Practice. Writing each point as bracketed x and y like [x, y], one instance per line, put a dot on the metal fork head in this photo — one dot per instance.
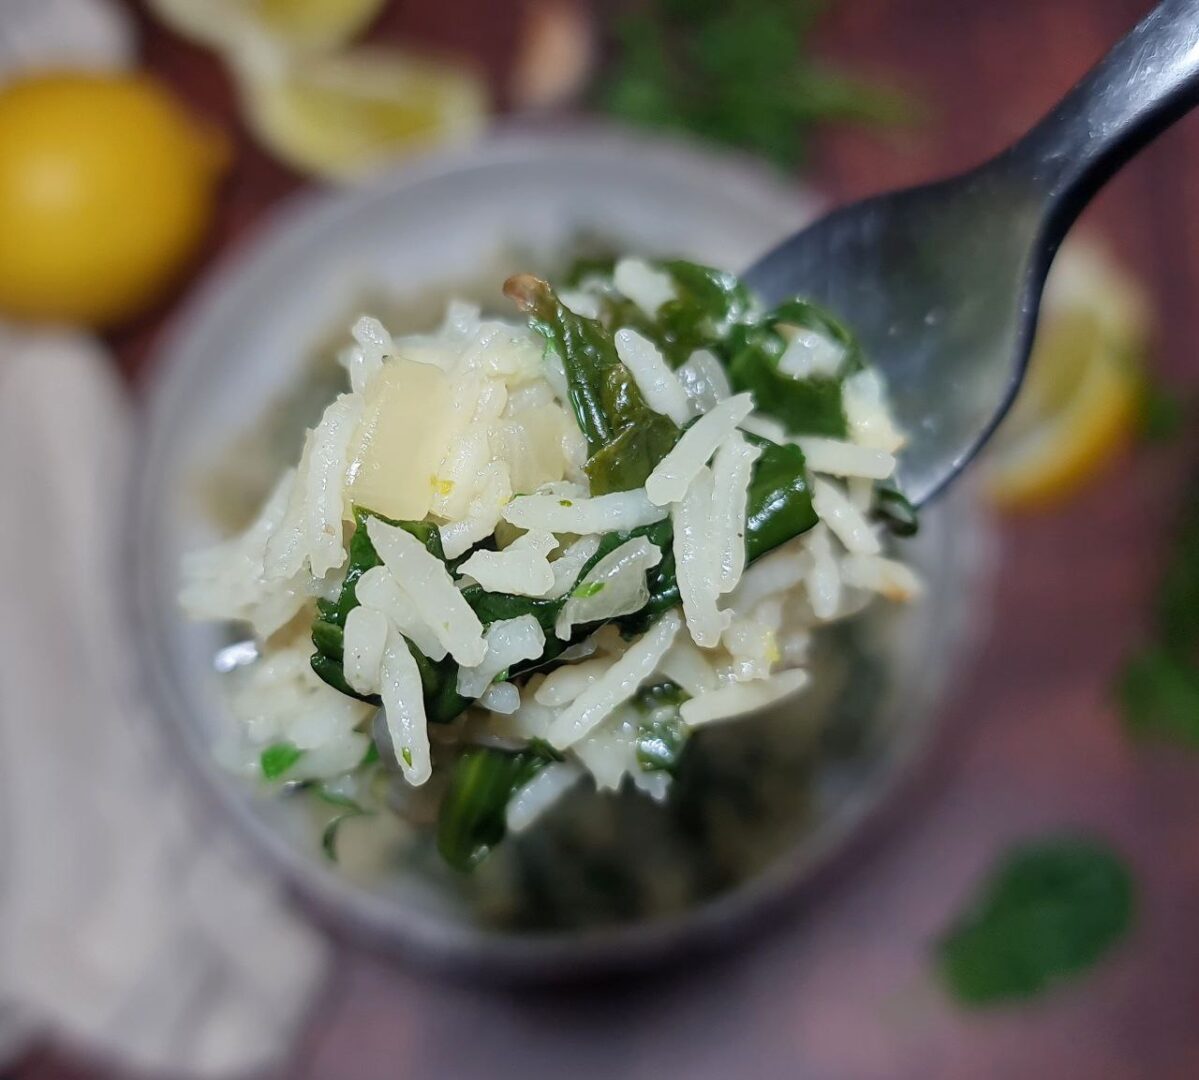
[941, 284]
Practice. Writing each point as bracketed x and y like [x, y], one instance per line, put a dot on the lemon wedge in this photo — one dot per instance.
[1079, 402]
[298, 25]
[343, 115]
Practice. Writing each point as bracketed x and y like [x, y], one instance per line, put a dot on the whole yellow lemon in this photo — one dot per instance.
[106, 188]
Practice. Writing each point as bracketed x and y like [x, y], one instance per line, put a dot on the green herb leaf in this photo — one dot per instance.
[278, 758]
[588, 590]
[780, 498]
[1051, 909]
[1159, 697]
[625, 436]
[893, 509]
[1161, 412]
[472, 816]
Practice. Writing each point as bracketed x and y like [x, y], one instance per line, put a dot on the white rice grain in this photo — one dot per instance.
[809, 354]
[845, 520]
[614, 512]
[658, 384]
[695, 565]
[822, 576]
[562, 685]
[614, 586]
[404, 710]
[502, 698]
[732, 470]
[687, 666]
[648, 288]
[365, 640]
[704, 381]
[887, 577]
[548, 785]
[325, 483]
[617, 684]
[870, 423]
[522, 568]
[426, 580]
[508, 642]
[836, 457]
[567, 566]
[672, 475]
[736, 699]
[580, 302]
[378, 589]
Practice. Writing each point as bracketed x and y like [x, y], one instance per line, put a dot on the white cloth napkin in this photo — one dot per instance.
[130, 925]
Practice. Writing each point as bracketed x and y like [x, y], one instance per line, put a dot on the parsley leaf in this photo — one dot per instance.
[1048, 911]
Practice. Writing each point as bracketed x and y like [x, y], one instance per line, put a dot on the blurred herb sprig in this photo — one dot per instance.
[741, 72]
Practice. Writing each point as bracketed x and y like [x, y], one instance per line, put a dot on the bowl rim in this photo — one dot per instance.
[340, 905]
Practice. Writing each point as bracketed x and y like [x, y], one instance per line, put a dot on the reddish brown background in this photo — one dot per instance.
[841, 990]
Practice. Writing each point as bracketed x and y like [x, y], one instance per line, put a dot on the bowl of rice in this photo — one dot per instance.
[534, 601]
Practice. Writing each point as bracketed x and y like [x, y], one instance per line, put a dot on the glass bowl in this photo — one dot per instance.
[225, 414]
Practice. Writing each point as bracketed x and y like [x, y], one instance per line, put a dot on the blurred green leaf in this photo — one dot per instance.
[1159, 697]
[1048, 911]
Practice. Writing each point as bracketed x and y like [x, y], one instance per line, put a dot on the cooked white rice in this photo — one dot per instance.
[491, 453]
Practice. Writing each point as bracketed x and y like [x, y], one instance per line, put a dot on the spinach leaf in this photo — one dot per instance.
[278, 758]
[1158, 694]
[625, 437]
[661, 733]
[472, 820]
[1049, 910]
[780, 498]
[892, 508]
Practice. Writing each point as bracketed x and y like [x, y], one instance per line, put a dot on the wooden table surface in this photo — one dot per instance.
[841, 991]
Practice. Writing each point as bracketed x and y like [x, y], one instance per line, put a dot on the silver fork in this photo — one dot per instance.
[943, 282]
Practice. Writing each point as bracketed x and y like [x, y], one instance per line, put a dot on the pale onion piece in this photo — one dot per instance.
[584, 304]
[732, 470]
[226, 581]
[614, 586]
[404, 709]
[672, 475]
[522, 568]
[426, 580]
[365, 640]
[614, 512]
[508, 642]
[648, 288]
[704, 381]
[836, 457]
[847, 523]
[562, 685]
[809, 354]
[866, 412]
[378, 589]
[739, 698]
[886, 577]
[401, 440]
[822, 576]
[658, 384]
[355, 363]
[502, 698]
[534, 444]
[567, 566]
[325, 501]
[617, 684]
[548, 785]
[686, 665]
[695, 566]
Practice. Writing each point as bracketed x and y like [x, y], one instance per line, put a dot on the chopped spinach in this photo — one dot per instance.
[472, 819]
[1048, 911]
[625, 437]
[661, 733]
[895, 511]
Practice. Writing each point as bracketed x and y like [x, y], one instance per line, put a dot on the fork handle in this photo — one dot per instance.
[1149, 80]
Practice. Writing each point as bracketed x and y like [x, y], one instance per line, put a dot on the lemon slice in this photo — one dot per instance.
[1079, 402]
[298, 25]
[342, 116]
